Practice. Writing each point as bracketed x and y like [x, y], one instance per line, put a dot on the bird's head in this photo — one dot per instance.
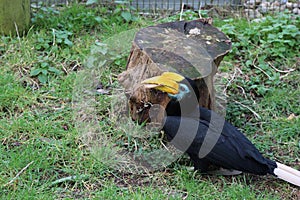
[183, 91]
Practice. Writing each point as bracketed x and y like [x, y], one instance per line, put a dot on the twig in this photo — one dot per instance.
[135, 145]
[75, 66]
[260, 69]
[69, 178]
[53, 32]
[161, 142]
[110, 79]
[64, 69]
[280, 77]
[281, 71]
[18, 174]
[181, 12]
[35, 84]
[243, 91]
[17, 31]
[239, 70]
[255, 113]
[231, 80]
[199, 11]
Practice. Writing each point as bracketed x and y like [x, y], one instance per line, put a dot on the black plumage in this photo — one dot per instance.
[232, 149]
[187, 103]
[209, 139]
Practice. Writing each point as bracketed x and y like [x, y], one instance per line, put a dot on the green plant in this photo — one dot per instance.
[275, 36]
[38, 129]
[61, 37]
[76, 18]
[186, 15]
[41, 17]
[4, 41]
[121, 11]
[43, 43]
[43, 69]
[261, 46]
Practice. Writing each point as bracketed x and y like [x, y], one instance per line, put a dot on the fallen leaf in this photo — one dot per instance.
[291, 117]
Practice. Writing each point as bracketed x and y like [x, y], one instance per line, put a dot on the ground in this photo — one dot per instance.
[43, 151]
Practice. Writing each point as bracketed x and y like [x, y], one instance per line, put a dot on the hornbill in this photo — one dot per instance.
[207, 137]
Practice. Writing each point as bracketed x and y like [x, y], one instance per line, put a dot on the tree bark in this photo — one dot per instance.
[14, 16]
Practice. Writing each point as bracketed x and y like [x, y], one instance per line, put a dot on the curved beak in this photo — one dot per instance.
[166, 82]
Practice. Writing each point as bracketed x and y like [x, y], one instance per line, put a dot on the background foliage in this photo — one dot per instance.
[261, 75]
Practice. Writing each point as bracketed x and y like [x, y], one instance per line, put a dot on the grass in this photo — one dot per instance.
[42, 138]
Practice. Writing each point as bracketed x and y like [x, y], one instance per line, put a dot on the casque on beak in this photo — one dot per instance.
[167, 82]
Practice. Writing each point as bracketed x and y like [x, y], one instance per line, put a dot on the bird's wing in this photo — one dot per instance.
[232, 150]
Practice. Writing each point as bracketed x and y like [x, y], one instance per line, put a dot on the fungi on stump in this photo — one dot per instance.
[191, 48]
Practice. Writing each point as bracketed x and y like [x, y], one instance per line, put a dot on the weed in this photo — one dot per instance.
[38, 127]
[121, 11]
[43, 69]
[262, 51]
[76, 19]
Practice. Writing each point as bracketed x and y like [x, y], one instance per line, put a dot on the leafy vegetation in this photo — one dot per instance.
[266, 54]
[42, 152]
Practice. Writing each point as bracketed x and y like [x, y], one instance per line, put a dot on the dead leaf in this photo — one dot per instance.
[292, 116]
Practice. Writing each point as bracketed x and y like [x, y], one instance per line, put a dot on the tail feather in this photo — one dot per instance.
[287, 173]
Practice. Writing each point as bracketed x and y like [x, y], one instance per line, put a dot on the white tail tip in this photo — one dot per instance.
[287, 173]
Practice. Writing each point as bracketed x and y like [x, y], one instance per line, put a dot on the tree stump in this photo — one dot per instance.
[191, 48]
[14, 16]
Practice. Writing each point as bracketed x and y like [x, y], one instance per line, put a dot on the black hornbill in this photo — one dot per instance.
[206, 136]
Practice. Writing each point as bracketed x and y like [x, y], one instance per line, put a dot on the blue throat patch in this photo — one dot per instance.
[183, 90]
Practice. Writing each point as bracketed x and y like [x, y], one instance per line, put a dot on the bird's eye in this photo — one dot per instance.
[182, 88]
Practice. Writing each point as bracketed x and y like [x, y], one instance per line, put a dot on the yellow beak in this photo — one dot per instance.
[166, 82]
